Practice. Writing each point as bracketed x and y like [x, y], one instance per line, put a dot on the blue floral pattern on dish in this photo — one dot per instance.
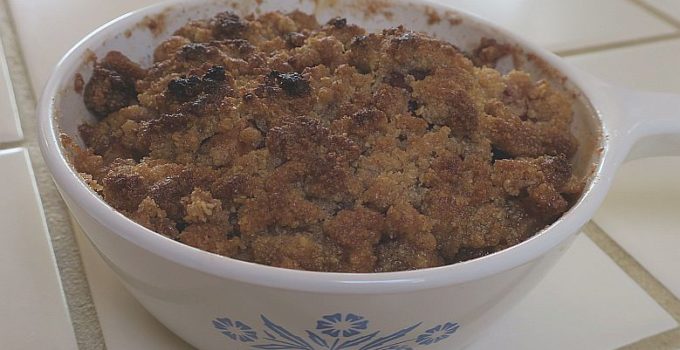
[235, 330]
[334, 324]
[333, 332]
[437, 333]
[400, 347]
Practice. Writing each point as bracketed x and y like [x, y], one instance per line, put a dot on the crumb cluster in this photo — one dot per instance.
[280, 141]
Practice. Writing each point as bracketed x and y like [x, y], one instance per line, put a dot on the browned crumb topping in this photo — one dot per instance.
[284, 142]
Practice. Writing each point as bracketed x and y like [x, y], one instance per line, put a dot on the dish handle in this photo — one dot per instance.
[650, 122]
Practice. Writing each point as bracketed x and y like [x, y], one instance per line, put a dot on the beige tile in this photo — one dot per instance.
[650, 66]
[10, 128]
[561, 25]
[670, 7]
[124, 322]
[33, 312]
[641, 210]
[586, 302]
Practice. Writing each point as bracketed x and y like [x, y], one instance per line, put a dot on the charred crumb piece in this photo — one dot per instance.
[196, 52]
[168, 193]
[498, 154]
[228, 25]
[184, 89]
[112, 85]
[181, 225]
[248, 97]
[295, 39]
[419, 74]
[338, 22]
[108, 91]
[215, 74]
[398, 80]
[293, 84]
[413, 106]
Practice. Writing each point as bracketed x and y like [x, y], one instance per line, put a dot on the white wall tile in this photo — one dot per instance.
[10, 128]
[33, 312]
[670, 7]
[650, 66]
[586, 302]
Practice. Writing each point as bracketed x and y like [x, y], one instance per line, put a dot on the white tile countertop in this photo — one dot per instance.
[618, 285]
[34, 314]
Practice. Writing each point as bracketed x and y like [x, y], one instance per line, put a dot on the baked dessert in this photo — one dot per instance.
[280, 141]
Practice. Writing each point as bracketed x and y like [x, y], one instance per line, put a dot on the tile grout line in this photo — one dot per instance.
[74, 283]
[10, 145]
[660, 15]
[664, 297]
[10, 98]
[618, 44]
[655, 289]
[667, 340]
[657, 13]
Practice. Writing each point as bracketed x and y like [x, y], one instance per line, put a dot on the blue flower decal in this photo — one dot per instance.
[235, 330]
[334, 324]
[435, 334]
[333, 332]
[399, 347]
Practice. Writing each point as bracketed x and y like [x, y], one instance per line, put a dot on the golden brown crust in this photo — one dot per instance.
[281, 141]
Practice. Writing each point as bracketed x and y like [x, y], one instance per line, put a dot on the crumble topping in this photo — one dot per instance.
[282, 141]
